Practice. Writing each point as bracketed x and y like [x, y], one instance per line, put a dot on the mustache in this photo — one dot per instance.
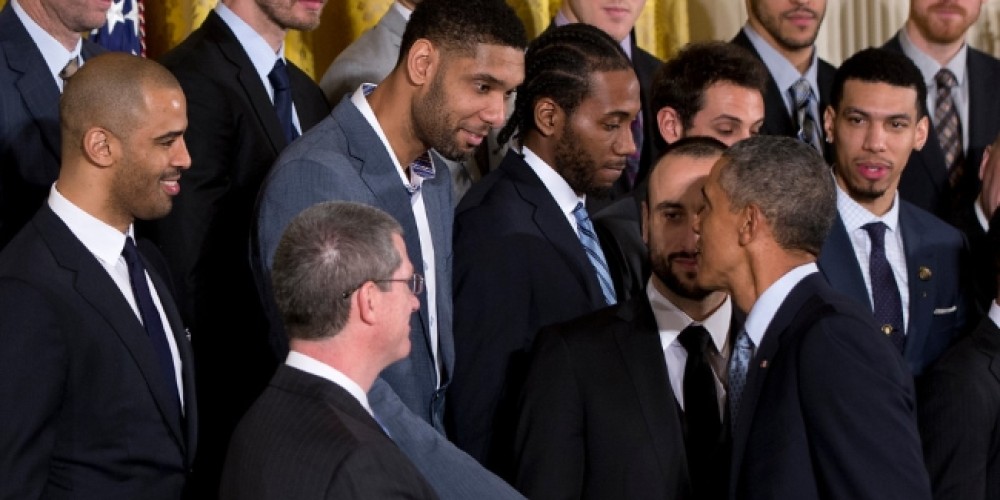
[801, 10]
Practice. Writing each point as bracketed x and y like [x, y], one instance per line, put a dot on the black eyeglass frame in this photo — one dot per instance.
[415, 283]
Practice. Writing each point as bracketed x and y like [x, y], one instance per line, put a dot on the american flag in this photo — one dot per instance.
[125, 29]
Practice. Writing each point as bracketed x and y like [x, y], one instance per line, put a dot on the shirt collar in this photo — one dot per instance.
[626, 44]
[257, 49]
[55, 55]
[417, 176]
[320, 369]
[762, 313]
[782, 71]
[855, 216]
[560, 190]
[405, 12]
[928, 66]
[102, 240]
[670, 320]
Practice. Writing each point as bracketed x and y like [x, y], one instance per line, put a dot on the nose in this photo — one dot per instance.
[414, 303]
[875, 138]
[495, 112]
[625, 145]
[182, 159]
[696, 226]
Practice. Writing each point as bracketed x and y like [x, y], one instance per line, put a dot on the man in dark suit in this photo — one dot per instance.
[613, 399]
[525, 251]
[618, 21]
[38, 39]
[96, 375]
[941, 177]
[226, 68]
[460, 61]
[974, 221]
[821, 404]
[782, 34]
[902, 263]
[346, 289]
[959, 406]
[712, 89]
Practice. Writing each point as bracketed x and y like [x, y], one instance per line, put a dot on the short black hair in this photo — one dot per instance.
[558, 65]
[695, 146]
[873, 65]
[461, 25]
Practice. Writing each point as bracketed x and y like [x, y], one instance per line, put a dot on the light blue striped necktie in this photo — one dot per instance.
[585, 231]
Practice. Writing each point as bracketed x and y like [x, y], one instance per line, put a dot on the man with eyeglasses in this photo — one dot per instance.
[312, 432]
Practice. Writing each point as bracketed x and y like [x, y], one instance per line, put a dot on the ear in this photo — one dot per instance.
[923, 126]
[421, 62]
[367, 300]
[645, 222]
[986, 159]
[829, 116]
[752, 224]
[669, 124]
[98, 144]
[549, 116]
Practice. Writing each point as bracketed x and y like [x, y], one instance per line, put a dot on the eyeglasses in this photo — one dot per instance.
[415, 283]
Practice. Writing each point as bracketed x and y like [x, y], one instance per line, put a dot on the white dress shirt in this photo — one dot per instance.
[55, 55]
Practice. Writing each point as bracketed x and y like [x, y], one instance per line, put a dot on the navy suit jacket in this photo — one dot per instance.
[30, 141]
[86, 410]
[307, 437]
[828, 408]
[925, 179]
[939, 306]
[518, 266]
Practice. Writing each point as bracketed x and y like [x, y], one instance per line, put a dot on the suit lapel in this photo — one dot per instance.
[840, 266]
[984, 107]
[99, 290]
[922, 292]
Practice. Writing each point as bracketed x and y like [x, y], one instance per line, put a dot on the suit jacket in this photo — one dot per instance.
[939, 306]
[925, 178]
[777, 119]
[518, 266]
[598, 416]
[87, 411]
[366, 60]
[959, 408]
[308, 438]
[30, 141]
[619, 228]
[983, 283]
[828, 408]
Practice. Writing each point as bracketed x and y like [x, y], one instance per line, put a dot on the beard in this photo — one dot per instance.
[687, 287]
[772, 25]
[577, 167]
[430, 118]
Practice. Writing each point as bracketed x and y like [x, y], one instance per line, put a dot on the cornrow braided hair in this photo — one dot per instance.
[558, 65]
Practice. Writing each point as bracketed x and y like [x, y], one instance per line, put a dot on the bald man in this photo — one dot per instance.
[93, 355]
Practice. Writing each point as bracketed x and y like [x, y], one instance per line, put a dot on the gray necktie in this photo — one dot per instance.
[802, 96]
[739, 364]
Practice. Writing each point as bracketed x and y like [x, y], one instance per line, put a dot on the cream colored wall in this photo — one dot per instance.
[849, 26]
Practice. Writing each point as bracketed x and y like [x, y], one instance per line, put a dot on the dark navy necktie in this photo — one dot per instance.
[150, 316]
[887, 306]
[283, 98]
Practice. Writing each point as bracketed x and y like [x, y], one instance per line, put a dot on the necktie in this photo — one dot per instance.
[283, 98]
[888, 308]
[69, 69]
[701, 406]
[802, 96]
[593, 249]
[150, 316]
[947, 125]
[739, 364]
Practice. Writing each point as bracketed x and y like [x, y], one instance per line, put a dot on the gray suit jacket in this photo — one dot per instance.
[368, 59]
[29, 124]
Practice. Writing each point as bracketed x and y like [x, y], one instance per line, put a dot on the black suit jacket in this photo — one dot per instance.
[86, 411]
[308, 438]
[234, 137]
[777, 119]
[598, 416]
[828, 408]
[518, 266]
[925, 180]
[959, 407]
[30, 141]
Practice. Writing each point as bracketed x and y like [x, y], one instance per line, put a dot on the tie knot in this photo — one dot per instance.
[130, 252]
[801, 92]
[279, 75]
[876, 231]
[580, 212]
[945, 79]
[695, 339]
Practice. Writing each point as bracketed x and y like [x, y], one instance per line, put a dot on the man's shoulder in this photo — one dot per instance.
[930, 226]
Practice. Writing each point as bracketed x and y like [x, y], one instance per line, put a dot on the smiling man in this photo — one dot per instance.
[903, 263]
[525, 250]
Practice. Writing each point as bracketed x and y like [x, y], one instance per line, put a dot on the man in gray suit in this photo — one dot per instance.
[461, 60]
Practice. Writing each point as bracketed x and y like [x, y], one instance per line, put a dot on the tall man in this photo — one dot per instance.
[964, 111]
[821, 405]
[96, 375]
[599, 416]
[901, 262]
[782, 33]
[525, 250]
[459, 61]
[712, 89]
[247, 102]
[40, 44]
[346, 289]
